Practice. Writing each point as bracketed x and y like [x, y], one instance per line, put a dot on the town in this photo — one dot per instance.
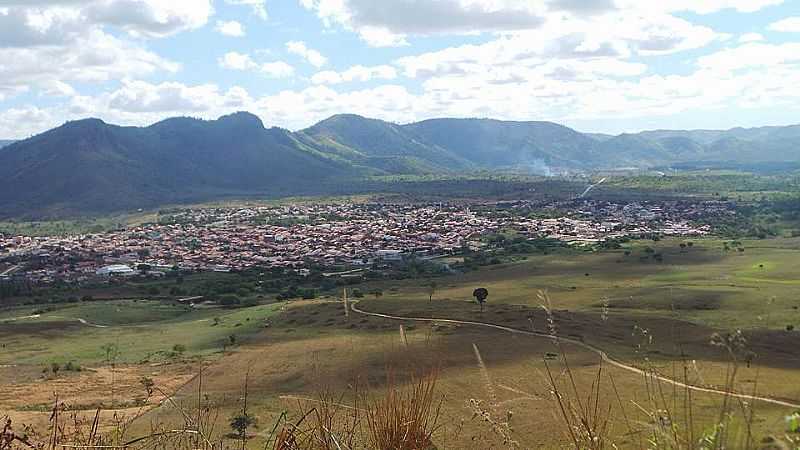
[349, 235]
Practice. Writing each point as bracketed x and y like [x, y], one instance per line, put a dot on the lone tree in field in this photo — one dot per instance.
[480, 295]
[431, 290]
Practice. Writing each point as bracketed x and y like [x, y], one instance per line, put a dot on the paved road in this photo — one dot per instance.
[590, 347]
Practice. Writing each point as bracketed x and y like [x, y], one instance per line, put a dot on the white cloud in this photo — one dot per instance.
[95, 57]
[259, 6]
[230, 28]
[241, 61]
[355, 73]
[750, 37]
[55, 42]
[787, 25]
[389, 22]
[313, 57]
[143, 97]
[150, 18]
[751, 55]
[236, 61]
[606, 41]
[699, 7]
[277, 69]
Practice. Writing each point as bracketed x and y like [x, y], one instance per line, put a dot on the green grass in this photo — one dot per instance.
[141, 330]
[312, 344]
[708, 285]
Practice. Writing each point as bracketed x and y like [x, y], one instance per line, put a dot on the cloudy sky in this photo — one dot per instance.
[596, 65]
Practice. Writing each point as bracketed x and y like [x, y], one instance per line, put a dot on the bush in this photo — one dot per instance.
[229, 300]
[240, 422]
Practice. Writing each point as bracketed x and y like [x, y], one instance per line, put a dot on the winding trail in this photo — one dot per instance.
[38, 316]
[603, 355]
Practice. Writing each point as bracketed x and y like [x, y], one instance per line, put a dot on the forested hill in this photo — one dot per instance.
[89, 166]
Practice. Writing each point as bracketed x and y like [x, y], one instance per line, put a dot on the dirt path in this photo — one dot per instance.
[38, 316]
[598, 351]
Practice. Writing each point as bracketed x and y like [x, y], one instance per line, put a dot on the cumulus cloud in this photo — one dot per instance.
[355, 73]
[699, 7]
[259, 7]
[277, 69]
[236, 61]
[391, 22]
[242, 62]
[562, 60]
[55, 42]
[751, 37]
[230, 28]
[312, 56]
[787, 25]
[143, 97]
[752, 55]
[94, 57]
[150, 18]
[387, 23]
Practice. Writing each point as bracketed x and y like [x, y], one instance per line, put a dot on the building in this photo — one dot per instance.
[390, 255]
[116, 270]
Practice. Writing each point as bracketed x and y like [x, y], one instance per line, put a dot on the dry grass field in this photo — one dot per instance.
[655, 316]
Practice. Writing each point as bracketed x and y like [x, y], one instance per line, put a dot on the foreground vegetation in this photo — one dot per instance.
[653, 305]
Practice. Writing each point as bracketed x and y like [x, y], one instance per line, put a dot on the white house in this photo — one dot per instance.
[116, 269]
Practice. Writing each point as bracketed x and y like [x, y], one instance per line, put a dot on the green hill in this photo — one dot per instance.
[89, 166]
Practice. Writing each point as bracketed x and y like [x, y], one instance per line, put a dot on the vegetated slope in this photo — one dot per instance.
[737, 145]
[706, 137]
[381, 145]
[494, 144]
[89, 165]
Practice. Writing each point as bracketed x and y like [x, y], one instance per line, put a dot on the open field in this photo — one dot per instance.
[607, 299]
[140, 330]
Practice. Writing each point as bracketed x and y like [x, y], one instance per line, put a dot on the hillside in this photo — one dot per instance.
[89, 166]
[5, 143]
[492, 144]
[380, 144]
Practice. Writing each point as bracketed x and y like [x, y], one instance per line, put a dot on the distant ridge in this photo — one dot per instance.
[89, 166]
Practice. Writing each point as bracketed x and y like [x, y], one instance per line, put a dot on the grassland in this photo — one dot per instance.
[141, 331]
[602, 298]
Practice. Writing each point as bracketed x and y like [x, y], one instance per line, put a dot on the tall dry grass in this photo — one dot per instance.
[407, 415]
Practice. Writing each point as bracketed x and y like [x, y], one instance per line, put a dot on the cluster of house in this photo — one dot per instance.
[294, 236]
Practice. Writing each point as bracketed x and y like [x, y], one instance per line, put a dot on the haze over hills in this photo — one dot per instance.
[90, 166]
[5, 143]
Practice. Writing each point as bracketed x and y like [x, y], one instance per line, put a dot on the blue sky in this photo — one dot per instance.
[596, 65]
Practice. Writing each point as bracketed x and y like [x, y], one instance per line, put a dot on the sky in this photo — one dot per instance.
[609, 66]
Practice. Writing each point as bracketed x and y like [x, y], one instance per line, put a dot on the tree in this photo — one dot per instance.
[480, 295]
[178, 350]
[431, 290]
[240, 422]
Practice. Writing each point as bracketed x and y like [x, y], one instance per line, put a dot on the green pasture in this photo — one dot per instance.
[139, 330]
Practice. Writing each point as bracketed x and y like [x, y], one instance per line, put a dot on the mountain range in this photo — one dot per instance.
[89, 166]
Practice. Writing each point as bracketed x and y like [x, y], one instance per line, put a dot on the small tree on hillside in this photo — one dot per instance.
[431, 290]
[481, 294]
